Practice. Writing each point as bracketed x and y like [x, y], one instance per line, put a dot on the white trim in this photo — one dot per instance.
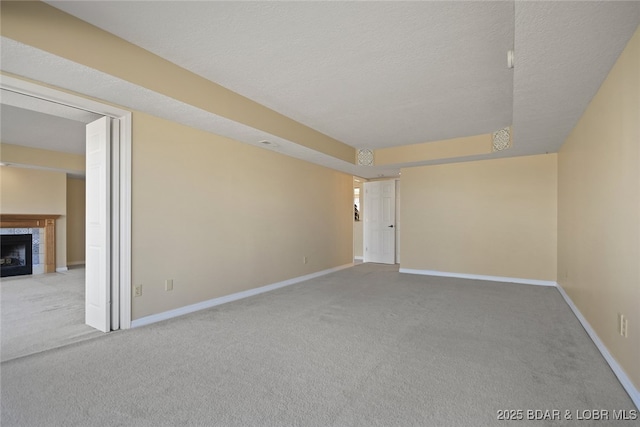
[70, 172]
[59, 97]
[125, 221]
[75, 263]
[397, 218]
[228, 298]
[625, 381]
[61, 269]
[634, 394]
[78, 101]
[114, 231]
[358, 258]
[480, 277]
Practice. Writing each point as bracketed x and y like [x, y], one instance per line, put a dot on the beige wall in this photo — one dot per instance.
[456, 147]
[250, 215]
[599, 211]
[358, 242]
[214, 215]
[492, 217]
[220, 217]
[47, 28]
[46, 159]
[33, 191]
[75, 221]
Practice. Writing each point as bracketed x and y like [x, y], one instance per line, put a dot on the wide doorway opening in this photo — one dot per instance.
[65, 293]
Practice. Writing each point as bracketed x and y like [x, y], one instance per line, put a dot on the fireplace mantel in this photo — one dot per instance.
[48, 222]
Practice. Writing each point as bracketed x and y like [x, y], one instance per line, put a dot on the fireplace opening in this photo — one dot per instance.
[16, 255]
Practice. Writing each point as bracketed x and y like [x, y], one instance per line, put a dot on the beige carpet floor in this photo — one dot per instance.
[365, 346]
[42, 312]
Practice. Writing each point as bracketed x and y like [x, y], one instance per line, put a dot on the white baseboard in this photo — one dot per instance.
[75, 263]
[62, 269]
[634, 394]
[625, 381]
[228, 298]
[479, 277]
[359, 258]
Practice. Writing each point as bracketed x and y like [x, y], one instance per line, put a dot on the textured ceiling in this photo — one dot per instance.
[49, 133]
[370, 74]
[36, 123]
[564, 51]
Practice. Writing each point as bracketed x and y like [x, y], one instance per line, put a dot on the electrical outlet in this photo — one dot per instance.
[137, 292]
[304, 259]
[168, 285]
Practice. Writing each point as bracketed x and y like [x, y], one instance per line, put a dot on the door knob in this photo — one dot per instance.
[391, 226]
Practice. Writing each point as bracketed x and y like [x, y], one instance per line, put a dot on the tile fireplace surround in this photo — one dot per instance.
[47, 224]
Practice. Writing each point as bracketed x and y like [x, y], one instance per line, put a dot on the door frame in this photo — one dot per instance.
[398, 222]
[367, 218]
[121, 187]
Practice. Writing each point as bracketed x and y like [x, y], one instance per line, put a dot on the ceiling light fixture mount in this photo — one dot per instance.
[268, 143]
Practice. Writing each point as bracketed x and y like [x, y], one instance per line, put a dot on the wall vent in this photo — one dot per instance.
[502, 139]
[365, 157]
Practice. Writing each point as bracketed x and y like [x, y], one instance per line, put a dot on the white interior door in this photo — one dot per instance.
[98, 230]
[379, 222]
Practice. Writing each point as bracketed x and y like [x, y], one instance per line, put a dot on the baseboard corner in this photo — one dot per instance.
[622, 376]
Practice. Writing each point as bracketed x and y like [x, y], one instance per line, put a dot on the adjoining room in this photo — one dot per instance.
[43, 201]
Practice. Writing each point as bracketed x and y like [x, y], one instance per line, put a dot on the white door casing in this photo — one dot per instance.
[379, 222]
[115, 225]
[120, 185]
[97, 223]
[398, 226]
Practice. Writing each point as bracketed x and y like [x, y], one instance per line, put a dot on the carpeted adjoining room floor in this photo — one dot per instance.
[365, 346]
[43, 311]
